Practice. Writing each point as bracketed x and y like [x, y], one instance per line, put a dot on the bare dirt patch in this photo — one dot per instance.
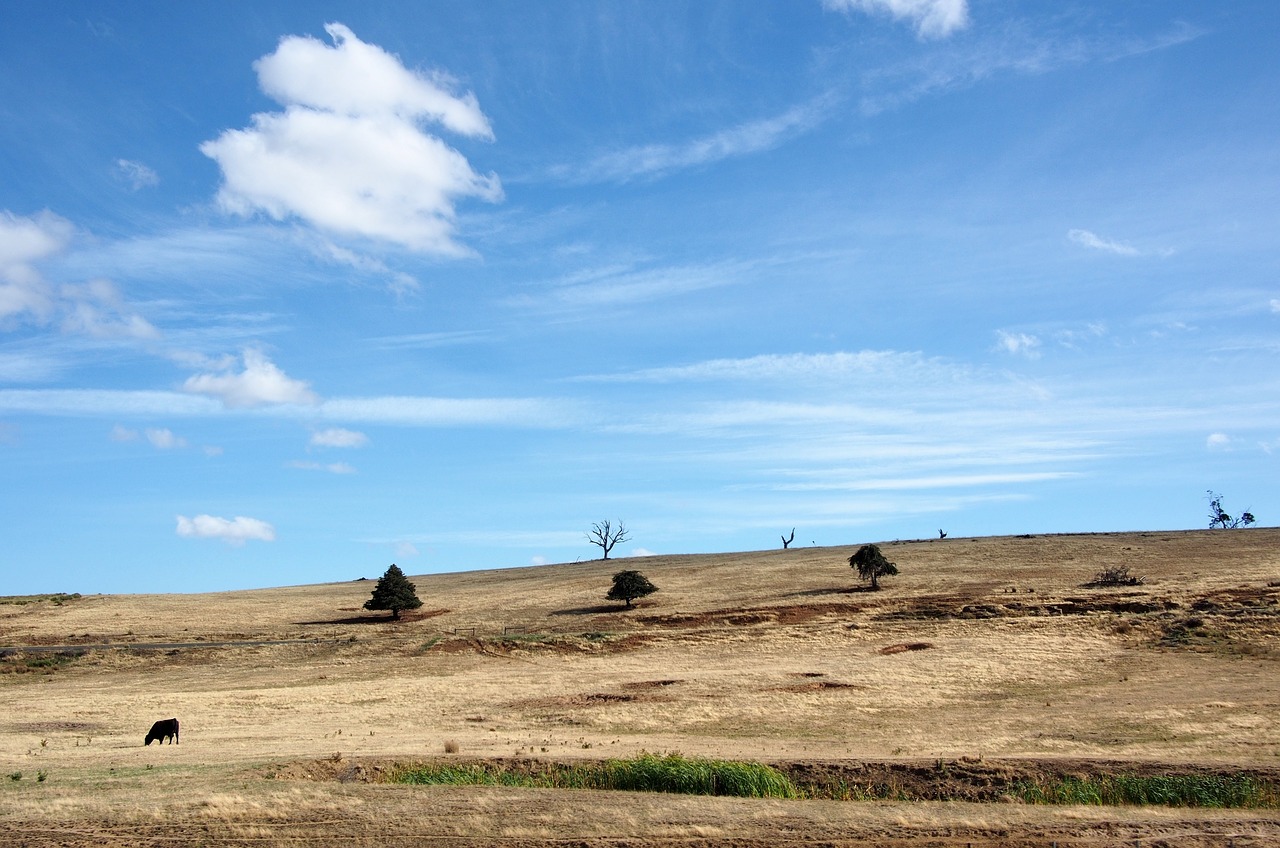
[903, 647]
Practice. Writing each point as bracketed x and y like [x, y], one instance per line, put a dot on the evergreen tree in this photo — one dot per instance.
[394, 592]
[628, 585]
[872, 565]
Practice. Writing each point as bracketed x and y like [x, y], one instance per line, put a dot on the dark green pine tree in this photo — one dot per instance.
[394, 592]
[871, 565]
[629, 585]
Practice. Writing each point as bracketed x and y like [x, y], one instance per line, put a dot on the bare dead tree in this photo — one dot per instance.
[1219, 518]
[605, 535]
[786, 542]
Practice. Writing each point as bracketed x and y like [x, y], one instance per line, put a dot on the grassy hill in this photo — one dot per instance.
[984, 650]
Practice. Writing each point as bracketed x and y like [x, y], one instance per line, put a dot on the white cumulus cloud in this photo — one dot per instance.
[261, 383]
[348, 154]
[1218, 441]
[234, 531]
[336, 437]
[931, 18]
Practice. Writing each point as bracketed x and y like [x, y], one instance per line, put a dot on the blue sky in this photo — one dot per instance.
[292, 291]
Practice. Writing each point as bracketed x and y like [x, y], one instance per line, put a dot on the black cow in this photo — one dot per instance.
[162, 730]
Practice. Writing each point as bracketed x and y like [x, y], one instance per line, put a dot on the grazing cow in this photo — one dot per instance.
[164, 729]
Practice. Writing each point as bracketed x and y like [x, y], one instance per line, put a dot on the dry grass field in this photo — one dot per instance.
[986, 654]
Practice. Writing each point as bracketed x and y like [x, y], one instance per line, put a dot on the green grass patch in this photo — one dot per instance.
[644, 773]
[1186, 790]
[19, 663]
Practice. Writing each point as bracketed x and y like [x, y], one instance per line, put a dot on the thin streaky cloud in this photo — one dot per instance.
[337, 437]
[931, 18]
[1010, 51]
[932, 482]
[815, 366]
[655, 160]
[1093, 241]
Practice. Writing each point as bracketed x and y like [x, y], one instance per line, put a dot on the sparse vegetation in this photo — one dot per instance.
[871, 565]
[394, 592]
[57, 599]
[1114, 575]
[629, 585]
[605, 536]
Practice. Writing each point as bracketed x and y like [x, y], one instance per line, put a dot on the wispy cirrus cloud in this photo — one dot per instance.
[1093, 241]
[234, 531]
[931, 18]
[137, 175]
[349, 154]
[796, 366]
[1016, 48]
[622, 285]
[656, 160]
[330, 467]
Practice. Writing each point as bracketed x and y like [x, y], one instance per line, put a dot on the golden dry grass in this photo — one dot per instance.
[764, 655]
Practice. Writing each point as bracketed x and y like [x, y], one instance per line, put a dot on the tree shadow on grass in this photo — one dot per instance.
[379, 617]
[602, 609]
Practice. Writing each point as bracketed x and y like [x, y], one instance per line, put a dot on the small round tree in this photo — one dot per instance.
[872, 565]
[394, 592]
[629, 585]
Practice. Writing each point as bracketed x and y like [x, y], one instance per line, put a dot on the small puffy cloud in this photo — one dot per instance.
[212, 450]
[136, 174]
[234, 531]
[1018, 344]
[348, 153]
[641, 552]
[932, 18]
[538, 560]
[336, 437]
[1218, 441]
[405, 550]
[164, 439]
[261, 383]
[120, 433]
[332, 468]
[1275, 305]
[1084, 238]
